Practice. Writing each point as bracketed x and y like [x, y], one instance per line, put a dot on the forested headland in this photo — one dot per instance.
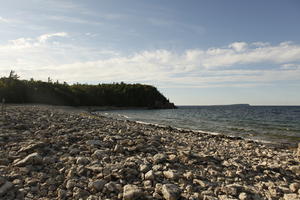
[15, 90]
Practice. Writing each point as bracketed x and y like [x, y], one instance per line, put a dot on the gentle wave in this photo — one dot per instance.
[267, 123]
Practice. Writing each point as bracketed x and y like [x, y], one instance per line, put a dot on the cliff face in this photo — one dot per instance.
[14, 90]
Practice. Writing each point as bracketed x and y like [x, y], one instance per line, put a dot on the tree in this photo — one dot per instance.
[13, 75]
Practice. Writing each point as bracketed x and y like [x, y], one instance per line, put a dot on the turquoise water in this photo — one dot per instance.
[270, 123]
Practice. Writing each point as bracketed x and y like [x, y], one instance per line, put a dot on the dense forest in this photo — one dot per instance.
[14, 90]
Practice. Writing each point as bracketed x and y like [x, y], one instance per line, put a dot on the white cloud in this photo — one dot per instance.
[238, 46]
[34, 57]
[45, 37]
[3, 20]
[75, 20]
[282, 53]
[290, 66]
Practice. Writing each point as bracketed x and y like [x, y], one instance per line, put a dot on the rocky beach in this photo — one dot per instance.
[49, 152]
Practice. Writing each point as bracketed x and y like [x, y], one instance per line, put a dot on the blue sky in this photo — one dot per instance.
[196, 52]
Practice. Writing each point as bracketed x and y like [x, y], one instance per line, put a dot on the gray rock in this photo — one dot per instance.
[147, 184]
[61, 194]
[202, 183]
[294, 187]
[243, 196]
[82, 161]
[170, 174]
[188, 175]
[291, 196]
[144, 168]
[298, 150]
[94, 142]
[97, 185]
[171, 192]
[149, 175]
[224, 197]
[158, 158]
[112, 187]
[208, 197]
[31, 159]
[5, 188]
[79, 193]
[32, 147]
[70, 184]
[132, 192]
[99, 154]
[295, 169]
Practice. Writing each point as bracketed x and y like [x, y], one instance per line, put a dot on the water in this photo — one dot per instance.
[269, 123]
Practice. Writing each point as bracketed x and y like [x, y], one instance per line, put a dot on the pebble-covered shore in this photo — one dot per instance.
[51, 153]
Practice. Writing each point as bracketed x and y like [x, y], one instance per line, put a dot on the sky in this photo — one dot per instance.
[196, 52]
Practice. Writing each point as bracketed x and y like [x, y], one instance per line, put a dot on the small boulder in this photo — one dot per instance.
[171, 192]
[294, 187]
[291, 196]
[97, 185]
[149, 175]
[94, 142]
[243, 196]
[5, 187]
[31, 159]
[158, 158]
[82, 161]
[170, 174]
[132, 192]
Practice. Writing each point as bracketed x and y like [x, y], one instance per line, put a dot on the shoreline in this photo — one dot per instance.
[197, 131]
[52, 152]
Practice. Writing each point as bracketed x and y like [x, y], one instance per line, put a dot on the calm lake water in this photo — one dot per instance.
[269, 123]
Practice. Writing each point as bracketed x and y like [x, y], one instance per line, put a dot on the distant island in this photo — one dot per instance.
[239, 105]
[235, 105]
[14, 90]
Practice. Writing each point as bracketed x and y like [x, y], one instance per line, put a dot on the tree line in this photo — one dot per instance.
[14, 90]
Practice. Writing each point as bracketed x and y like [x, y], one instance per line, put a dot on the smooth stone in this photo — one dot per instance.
[295, 169]
[94, 142]
[243, 196]
[171, 191]
[158, 158]
[5, 187]
[98, 185]
[149, 175]
[70, 184]
[31, 159]
[294, 187]
[144, 168]
[132, 192]
[291, 196]
[82, 161]
[99, 154]
[170, 174]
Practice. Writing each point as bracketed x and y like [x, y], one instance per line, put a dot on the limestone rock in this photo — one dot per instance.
[295, 169]
[158, 158]
[171, 192]
[170, 174]
[82, 161]
[5, 187]
[132, 192]
[291, 196]
[294, 187]
[243, 196]
[31, 159]
[97, 185]
[149, 175]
